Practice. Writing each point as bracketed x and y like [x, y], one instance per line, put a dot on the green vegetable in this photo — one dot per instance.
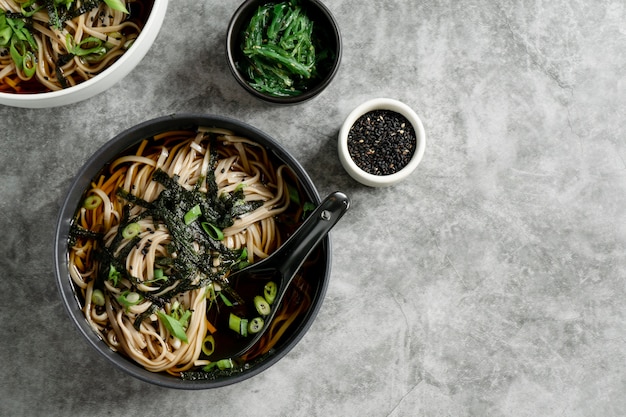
[131, 230]
[116, 5]
[242, 261]
[255, 325]
[158, 275]
[225, 299]
[97, 297]
[238, 324]
[92, 202]
[192, 215]
[225, 364]
[307, 208]
[27, 8]
[90, 46]
[222, 364]
[208, 345]
[129, 298]
[15, 34]
[174, 326]
[114, 276]
[261, 305]
[5, 33]
[280, 48]
[269, 292]
[213, 231]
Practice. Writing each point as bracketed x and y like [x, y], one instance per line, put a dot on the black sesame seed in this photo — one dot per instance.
[381, 142]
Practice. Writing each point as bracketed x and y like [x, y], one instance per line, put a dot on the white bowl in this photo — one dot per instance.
[87, 89]
[373, 180]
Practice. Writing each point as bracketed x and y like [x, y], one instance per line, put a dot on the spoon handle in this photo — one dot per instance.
[290, 256]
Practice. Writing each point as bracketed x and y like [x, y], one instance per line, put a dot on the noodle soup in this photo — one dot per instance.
[159, 229]
[47, 47]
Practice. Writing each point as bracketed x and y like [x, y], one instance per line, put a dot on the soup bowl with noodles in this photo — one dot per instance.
[150, 229]
[57, 53]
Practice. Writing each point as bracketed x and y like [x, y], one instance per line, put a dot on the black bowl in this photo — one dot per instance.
[90, 170]
[325, 28]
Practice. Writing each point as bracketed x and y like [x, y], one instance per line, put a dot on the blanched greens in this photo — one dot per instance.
[281, 49]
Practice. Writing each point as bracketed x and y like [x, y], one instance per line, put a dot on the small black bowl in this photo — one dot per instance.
[318, 281]
[325, 29]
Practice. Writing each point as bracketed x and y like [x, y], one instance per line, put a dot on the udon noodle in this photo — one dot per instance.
[127, 259]
[48, 45]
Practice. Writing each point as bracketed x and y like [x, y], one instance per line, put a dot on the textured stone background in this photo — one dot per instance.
[490, 283]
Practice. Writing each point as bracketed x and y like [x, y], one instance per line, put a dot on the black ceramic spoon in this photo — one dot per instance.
[279, 268]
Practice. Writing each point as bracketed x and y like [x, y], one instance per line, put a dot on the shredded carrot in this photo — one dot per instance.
[13, 83]
[210, 327]
[110, 186]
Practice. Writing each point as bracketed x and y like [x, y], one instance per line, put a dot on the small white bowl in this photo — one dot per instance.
[106, 79]
[373, 180]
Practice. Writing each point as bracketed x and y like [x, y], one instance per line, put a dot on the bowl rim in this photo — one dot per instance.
[104, 80]
[243, 11]
[86, 173]
[351, 167]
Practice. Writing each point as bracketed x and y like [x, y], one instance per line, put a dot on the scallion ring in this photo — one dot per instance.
[225, 364]
[97, 297]
[255, 325]
[92, 202]
[213, 231]
[208, 345]
[269, 292]
[261, 305]
[131, 230]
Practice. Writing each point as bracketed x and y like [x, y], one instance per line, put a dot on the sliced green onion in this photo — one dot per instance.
[225, 364]
[131, 230]
[175, 328]
[213, 231]
[117, 5]
[22, 56]
[208, 345]
[261, 305]
[158, 275]
[238, 324]
[29, 64]
[225, 300]
[192, 215]
[5, 34]
[97, 297]
[269, 292]
[184, 318]
[234, 322]
[210, 292]
[255, 325]
[221, 365]
[114, 275]
[243, 328]
[242, 260]
[92, 202]
[88, 46]
[129, 299]
[133, 297]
